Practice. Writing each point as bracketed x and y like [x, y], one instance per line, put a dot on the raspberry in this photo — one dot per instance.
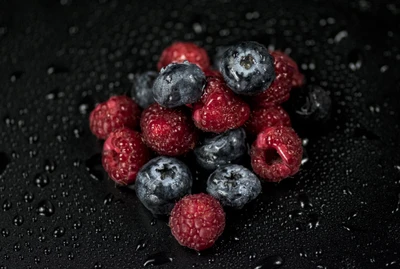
[297, 78]
[117, 112]
[219, 109]
[124, 153]
[276, 154]
[262, 118]
[168, 131]
[179, 52]
[279, 91]
[197, 221]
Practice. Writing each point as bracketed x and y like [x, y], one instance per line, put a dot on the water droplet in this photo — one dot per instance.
[108, 199]
[295, 214]
[57, 69]
[45, 208]
[49, 166]
[58, 232]
[16, 75]
[54, 94]
[153, 222]
[28, 197]
[94, 167]
[313, 221]
[18, 220]
[5, 232]
[86, 105]
[341, 35]
[4, 162]
[347, 191]
[7, 205]
[157, 259]
[355, 59]
[305, 158]
[304, 201]
[271, 262]
[398, 204]
[41, 180]
[141, 244]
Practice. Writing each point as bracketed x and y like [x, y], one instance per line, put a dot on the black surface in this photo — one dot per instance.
[57, 58]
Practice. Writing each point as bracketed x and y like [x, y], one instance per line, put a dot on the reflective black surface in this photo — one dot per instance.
[59, 210]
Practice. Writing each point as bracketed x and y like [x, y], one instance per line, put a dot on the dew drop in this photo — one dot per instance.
[159, 258]
[45, 208]
[41, 180]
[270, 262]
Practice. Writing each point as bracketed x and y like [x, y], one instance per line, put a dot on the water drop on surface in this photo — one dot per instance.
[94, 167]
[304, 201]
[141, 244]
[57, 69]
[58, 232]
[271, 262]
[16, 75]
[108, 199]
[4, 162]
[355, 59]
[45, 208]
[18, 220]
[28, 197]
[159, 258]
[41, 181]
[7, 205]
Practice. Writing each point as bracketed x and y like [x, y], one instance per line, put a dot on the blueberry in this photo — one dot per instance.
[248, 68]
[161, 182]
[142, 88]
[314, 103]
[179, 84]
[233, 185]
[226, 148]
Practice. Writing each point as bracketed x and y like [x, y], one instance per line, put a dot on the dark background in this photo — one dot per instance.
[59, 210]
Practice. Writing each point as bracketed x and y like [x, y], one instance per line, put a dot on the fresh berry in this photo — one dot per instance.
[233, 185]
[168, 131]
[264, 117]
[279, 91]
[297, 78]
[313, 104]
[142, 90]
[219, 109]
[179, 52]
[124, 154]
[179, 84]
[226, 148]
[248, 68]
[276, 154]
[197, 221]
[162, 182]
[117, 112]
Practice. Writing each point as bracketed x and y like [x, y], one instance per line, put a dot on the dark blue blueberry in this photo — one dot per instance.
[248, 68]
[179, 84]
[314, 103]
[233, 185]
[142, 91]
[161, 182]
[226, 148]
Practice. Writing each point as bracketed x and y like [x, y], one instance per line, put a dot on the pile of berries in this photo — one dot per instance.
[190, 107]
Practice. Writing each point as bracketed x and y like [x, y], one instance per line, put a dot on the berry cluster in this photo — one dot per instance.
[189, 107]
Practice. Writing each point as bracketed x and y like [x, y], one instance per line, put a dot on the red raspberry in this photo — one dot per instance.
[219, 109]
[124, 153]
[262, 118]
[179, 52]
[117, 112]
[168, 131]
[276, 154]
[279, 91]
[297, 78]
[197, 221]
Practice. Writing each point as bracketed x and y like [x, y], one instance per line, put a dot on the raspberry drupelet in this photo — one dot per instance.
[264, 117]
